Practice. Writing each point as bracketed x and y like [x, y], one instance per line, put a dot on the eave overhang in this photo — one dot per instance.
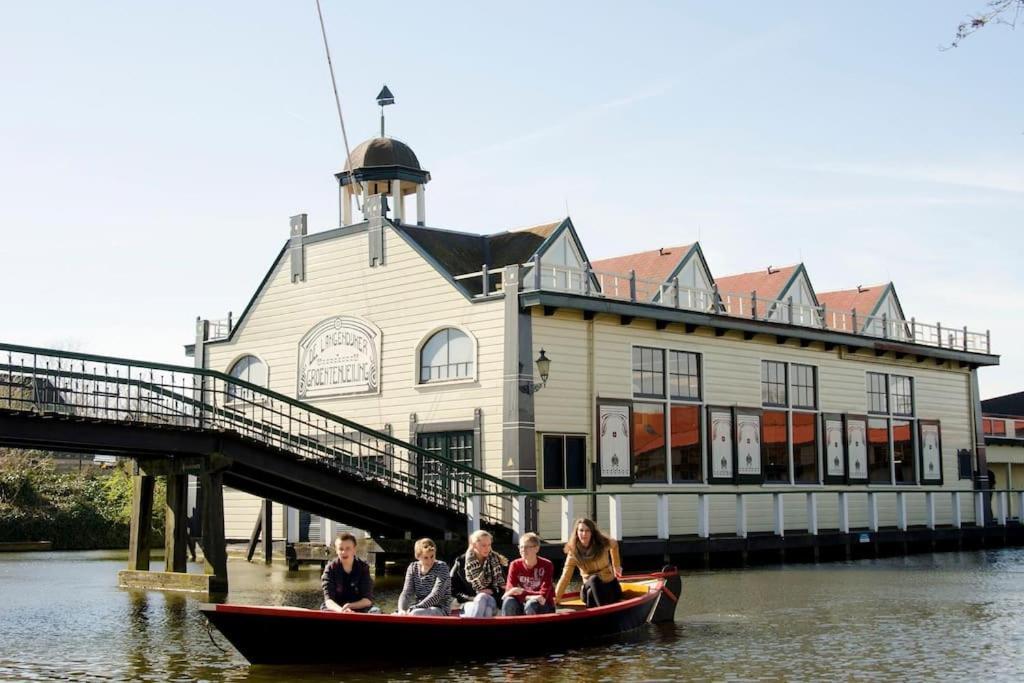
[724, 323]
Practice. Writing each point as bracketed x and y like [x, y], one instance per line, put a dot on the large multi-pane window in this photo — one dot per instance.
[902, 393]
[775, 446]
[648, 372]
[248, 369]
[892, 445]
[903, 452]
[773, 383]
[878, 394]
[804, 386]
[447, 355]
[789, 423]
[457, 446]
[878, 451]
[805, 448]
[684, 375]
[666, 431]
[565, 461]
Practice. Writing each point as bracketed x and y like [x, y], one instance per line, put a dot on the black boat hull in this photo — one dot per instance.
[283, 635]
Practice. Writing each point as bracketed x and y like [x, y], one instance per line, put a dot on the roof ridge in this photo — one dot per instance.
[647, 251]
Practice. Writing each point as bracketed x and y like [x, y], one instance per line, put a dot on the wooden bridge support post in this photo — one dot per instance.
[268, 531]
[176, 524]
[214, 545]
[142, 521]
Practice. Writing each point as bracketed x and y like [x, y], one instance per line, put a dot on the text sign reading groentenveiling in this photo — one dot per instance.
[339, 356]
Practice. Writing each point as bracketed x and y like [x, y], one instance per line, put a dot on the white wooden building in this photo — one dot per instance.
[664, 375]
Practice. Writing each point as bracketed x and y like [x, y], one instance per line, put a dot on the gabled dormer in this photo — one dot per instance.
[658, 273]
[563, 261]
[797, 302]
[871, 303]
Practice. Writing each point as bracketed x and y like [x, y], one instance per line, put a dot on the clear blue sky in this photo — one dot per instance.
[151, 154]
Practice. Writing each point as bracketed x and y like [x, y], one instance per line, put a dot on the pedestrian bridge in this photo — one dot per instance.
[174, 420]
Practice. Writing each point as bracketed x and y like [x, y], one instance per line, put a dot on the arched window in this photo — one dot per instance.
[446, 355]
[248, 369]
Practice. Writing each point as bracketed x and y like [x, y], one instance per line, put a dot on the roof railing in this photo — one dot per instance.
[546, 276]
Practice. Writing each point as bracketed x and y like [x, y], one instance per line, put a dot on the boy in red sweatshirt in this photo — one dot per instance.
[529, 588]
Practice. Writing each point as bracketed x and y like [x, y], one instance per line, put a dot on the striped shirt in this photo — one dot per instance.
[433, 589]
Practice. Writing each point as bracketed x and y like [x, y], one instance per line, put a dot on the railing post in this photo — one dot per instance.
[988, 341]
[979, 508]
[789, 307]
[587, 275]
[812, 514]
[778, 514]
[703, 517]
[741, 515]
[632, 285]
[518, 518]
[663, 532]
[1001, 501]
[929, 503]
[965, 337]
[715, 298]
[567, 518]
[853, 315]
[844, 512]
[473, 508]
[901, 511]
[824, 315]
[885, 326]
[753, 305]
[938, 333]
[615, 517]
[679, 293]
[536, 272]
[485, 284]
[913, 329]
[872, 511]
[958, 519]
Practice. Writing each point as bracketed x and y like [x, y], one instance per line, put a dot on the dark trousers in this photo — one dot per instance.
[596, 592]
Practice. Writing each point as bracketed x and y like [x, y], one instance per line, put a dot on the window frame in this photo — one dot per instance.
[564, 436]
[424, 339]
[233, 400]
[666, 400]
[884, 393]
[633, 370]
[891, 417]
[784, 383]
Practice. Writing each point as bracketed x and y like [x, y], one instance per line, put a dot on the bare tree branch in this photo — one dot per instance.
[1005, 12]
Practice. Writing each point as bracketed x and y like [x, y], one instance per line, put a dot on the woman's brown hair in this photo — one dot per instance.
[599, 543]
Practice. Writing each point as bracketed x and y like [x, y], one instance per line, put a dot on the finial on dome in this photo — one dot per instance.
[384, 98]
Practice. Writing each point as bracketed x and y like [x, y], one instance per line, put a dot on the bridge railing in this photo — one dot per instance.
[69, 385]
[707, 513]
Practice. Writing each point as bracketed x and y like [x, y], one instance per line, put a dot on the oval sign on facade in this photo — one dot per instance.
[338, 357]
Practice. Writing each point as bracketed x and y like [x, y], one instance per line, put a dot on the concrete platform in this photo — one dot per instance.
[171, 581]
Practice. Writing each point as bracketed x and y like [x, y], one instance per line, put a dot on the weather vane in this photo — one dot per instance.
[384, 98]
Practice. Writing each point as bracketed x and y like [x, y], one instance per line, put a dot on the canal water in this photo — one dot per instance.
[949, 617]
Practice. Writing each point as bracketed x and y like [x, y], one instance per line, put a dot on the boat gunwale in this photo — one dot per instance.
[657, 583]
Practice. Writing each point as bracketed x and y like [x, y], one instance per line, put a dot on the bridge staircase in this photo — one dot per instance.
[175, 420]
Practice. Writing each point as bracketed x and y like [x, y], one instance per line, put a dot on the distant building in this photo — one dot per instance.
[661, 373]
[1003, 425]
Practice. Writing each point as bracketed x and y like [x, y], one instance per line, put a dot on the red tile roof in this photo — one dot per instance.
[840, 304]
[654, 265]
[768, 285]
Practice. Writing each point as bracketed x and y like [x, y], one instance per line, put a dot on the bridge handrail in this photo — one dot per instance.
[255, 388]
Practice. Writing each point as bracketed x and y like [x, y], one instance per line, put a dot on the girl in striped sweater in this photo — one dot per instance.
[428, 587]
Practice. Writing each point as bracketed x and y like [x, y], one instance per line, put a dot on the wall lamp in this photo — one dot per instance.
[543, 369]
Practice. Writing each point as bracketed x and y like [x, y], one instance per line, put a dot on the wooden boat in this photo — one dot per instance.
[291, 635]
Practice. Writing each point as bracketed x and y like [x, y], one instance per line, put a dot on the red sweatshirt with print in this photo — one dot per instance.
[536, 581]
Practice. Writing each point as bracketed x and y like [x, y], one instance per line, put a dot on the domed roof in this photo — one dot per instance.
[382, 152]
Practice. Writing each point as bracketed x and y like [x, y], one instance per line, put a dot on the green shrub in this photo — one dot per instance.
[74, 510]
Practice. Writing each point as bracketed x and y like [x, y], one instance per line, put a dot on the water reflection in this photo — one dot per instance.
[927, 617]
